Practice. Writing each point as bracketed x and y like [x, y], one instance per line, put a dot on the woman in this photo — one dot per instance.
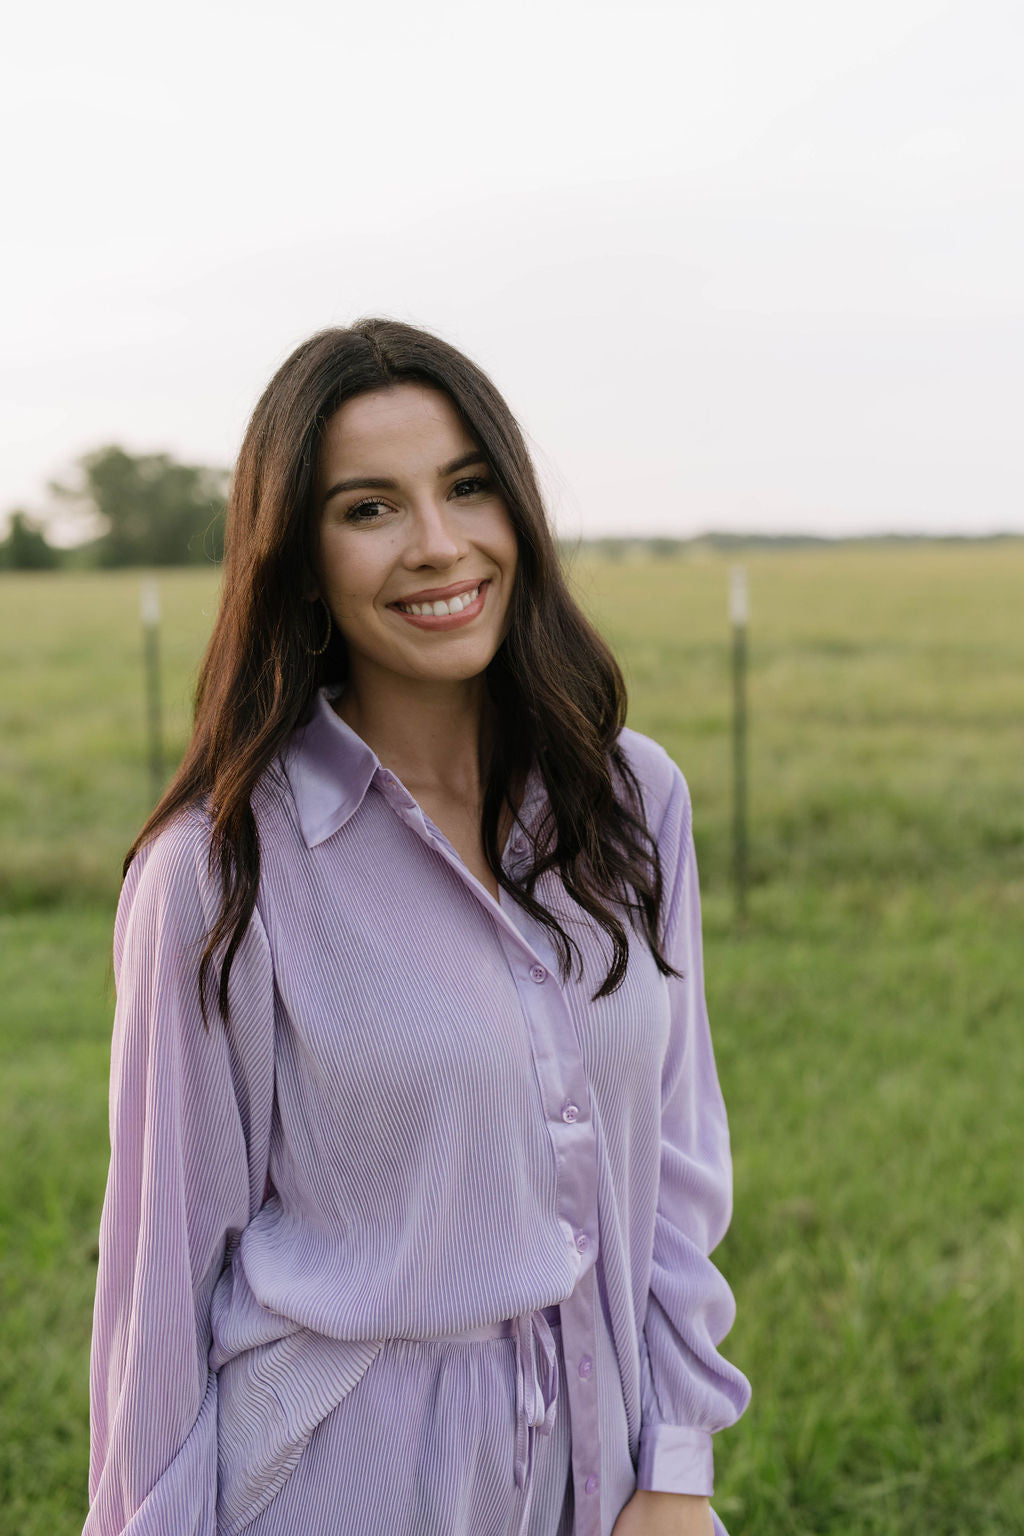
[417, 1145]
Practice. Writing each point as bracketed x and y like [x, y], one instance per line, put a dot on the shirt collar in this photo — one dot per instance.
[330, 768]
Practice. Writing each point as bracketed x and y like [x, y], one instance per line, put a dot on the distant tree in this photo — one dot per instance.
[154, 510]
[612, 549]
[25, 547]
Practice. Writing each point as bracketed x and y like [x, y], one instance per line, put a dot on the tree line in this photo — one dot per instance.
[150, 509]
[134, 509]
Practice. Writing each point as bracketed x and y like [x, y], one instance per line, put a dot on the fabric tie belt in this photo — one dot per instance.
[536, 1375]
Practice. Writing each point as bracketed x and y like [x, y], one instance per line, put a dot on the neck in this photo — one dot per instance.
[430, 734]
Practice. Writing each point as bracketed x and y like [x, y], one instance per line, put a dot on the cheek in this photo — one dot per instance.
[504, 543]
[347, 571]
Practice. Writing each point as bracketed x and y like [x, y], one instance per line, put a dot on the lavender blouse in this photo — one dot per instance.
[411, 1127]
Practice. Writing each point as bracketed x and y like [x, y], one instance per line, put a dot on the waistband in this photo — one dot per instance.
[506, 1327]
[536, 1352]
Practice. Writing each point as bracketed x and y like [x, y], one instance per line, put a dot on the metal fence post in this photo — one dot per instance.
[149, 608]
[738, 614]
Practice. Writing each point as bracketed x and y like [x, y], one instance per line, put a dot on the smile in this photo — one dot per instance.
[445, 613]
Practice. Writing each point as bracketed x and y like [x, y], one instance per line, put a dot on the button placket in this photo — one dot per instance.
[548, 1010]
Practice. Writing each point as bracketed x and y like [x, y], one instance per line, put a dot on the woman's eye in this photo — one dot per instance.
[365, 512]
[474, 484]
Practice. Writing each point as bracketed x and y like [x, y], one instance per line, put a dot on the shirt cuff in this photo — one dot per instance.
[676, 1459]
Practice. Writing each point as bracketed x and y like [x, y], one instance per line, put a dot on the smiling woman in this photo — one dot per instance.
[418, 1153]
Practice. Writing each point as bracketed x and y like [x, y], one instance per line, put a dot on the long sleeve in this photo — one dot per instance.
[189, 1131]
[688, 1390]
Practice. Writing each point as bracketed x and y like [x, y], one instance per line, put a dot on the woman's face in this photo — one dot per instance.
[417, 554]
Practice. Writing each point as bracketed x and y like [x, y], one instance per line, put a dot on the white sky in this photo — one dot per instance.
[733, 264]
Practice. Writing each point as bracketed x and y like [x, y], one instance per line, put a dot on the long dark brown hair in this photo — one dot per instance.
[559, 698]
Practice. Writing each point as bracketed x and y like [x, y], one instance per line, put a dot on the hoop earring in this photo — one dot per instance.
[319, 650]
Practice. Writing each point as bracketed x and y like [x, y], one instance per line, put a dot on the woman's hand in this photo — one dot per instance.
[651, 1513]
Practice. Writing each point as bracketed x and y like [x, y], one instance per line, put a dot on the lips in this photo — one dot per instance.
[439, 594]
[461, 606]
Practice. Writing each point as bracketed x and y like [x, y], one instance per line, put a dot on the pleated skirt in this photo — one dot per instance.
[424, 1445]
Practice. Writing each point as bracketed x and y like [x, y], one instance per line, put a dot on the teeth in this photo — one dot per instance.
[440, 608]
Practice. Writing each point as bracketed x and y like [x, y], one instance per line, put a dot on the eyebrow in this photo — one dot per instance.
[368, 483]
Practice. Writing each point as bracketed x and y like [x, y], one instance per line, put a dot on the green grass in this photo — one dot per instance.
[866, 1018]
[73, 776]
[55, 976]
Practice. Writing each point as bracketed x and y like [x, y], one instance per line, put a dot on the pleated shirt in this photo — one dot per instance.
[411, 1126]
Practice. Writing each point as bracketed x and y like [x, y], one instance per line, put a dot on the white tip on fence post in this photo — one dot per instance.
[149, 611]
[739, 608]
[149, 603]
[739, 614]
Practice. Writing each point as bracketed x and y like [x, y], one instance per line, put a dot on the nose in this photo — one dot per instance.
[433, 539]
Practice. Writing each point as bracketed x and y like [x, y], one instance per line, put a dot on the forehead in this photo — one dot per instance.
[407, 425]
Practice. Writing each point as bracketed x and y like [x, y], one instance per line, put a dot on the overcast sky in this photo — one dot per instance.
[733, 264]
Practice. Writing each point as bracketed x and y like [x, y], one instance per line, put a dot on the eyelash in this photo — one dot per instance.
[351, 516]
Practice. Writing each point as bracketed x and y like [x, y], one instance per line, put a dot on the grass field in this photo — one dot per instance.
[867, 1018]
